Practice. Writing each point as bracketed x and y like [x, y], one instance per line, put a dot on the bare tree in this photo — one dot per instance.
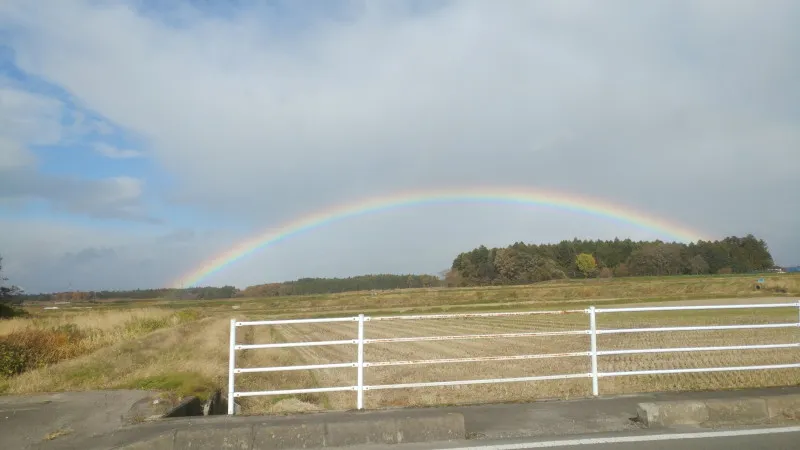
[8, 294]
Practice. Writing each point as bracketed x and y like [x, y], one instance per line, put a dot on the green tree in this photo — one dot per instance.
[658, 259]
[452, 278]
[586, 264]
[546, 269]
[622, 270]
[698, 265]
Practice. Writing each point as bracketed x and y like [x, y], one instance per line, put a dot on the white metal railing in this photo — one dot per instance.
[593, 353]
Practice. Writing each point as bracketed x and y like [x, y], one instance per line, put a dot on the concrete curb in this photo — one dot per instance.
[720, 412]
[355, 429]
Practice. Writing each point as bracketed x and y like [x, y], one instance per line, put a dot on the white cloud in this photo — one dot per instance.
[107, 198]
[29, 119]
[14, 155]
[25, 119]
[109, 151]
[441, 96]
[83, 125]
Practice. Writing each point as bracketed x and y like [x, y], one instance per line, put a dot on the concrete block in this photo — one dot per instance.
[280, 437]
[783, 407]
[439, 427]
[190, 406]
[737, 410]
[362, 431]
[147, 408]
[215, 438]
[666, 414]
[214, 406]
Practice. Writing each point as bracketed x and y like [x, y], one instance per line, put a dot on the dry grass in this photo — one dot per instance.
[520, 368]
[39, 342]
[189, 358]
[105, 321]
[57, 434]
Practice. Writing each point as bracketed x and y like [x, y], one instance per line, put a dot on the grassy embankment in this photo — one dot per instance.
[181, 346]
[94, 349]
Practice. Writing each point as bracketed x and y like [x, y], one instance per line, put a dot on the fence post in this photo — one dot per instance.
[593, 349]
[360, 396]
[231, 367]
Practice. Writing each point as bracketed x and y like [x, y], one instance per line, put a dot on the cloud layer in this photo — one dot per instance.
[684, 109]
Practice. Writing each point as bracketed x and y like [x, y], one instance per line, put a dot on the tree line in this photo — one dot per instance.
[306, 286]
[522, 263]
[302, 286]
[194, 293]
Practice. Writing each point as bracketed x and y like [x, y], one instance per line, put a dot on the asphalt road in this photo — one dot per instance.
[94, 420]
[26, 421]
[783, 438]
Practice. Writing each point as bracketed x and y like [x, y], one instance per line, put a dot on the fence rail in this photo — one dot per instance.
[593, 352]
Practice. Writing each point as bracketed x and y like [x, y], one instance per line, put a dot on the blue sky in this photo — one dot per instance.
[147, 139]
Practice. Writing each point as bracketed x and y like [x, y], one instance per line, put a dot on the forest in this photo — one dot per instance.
[522, 263]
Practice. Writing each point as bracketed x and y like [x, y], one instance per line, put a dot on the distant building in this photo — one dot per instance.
[793, 269]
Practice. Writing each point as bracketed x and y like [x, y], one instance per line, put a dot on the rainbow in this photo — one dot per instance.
[514, 196]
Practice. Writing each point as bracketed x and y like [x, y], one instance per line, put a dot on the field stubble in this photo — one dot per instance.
[516, 391]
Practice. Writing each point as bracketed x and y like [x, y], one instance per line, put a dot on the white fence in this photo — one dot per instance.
[592, 353]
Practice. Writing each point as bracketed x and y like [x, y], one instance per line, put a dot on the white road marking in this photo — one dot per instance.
[624, 439]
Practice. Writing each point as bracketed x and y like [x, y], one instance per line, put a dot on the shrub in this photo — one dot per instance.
[13, 359]
[31, 348]
[8, 311]
[143, 325]
[185, 315]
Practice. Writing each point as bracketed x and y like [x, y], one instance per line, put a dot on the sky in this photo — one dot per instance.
[138, 140]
